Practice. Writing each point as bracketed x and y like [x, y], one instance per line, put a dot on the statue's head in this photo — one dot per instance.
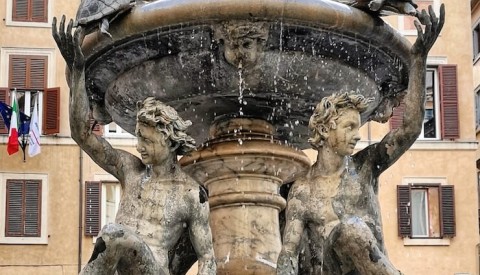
[244, 42]
[169, 126]
[336, 119]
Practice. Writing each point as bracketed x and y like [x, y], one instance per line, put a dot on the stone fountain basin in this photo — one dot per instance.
[314, 48]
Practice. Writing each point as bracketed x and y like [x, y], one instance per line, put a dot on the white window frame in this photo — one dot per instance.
[119, 132]
[401, 21]
[109, 179]
[43, 239]
[436, 105]
[477, 110]
[9, 20]
[118, 195]
[5, 54]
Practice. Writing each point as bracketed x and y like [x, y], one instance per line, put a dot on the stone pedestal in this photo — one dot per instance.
[243, 167]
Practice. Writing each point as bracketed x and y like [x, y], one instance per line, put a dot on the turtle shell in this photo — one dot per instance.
[94, 10]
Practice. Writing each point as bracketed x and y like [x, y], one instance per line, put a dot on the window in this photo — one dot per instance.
[23, 208]
[476, 42]
[426, 210]
[23, 214]
[113, 130]
[441, 105]
[477, 109]
[32, 13]
[102, 199]
[431, 123]
[28, 76]
[111, 193]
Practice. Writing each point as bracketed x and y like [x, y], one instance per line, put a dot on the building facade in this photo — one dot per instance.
[52, 205]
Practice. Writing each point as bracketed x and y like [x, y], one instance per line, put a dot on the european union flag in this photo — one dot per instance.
[6, 112]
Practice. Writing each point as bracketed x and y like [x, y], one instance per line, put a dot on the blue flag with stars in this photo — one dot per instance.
[6, 112]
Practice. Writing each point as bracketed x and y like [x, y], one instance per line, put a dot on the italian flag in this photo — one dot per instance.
[12, 146]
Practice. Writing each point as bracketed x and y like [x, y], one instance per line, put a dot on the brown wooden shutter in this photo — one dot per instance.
[14, 218]
[397, 117]
[18, 72]
[403, 211]
[449, 101]
[30, 10]
[447, 210]
[4, 97]
[93, 197]
[33, 200]
[39, 10]
[20, 10]
[51, 111]
[23, 215]
[37, 78]
[28, 72]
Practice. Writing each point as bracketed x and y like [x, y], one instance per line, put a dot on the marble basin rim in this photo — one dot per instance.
[168, 49]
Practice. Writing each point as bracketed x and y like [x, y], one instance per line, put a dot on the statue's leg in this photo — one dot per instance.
[354, 241]
[120, 249]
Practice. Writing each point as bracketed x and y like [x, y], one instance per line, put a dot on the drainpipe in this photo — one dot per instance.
[80, 210]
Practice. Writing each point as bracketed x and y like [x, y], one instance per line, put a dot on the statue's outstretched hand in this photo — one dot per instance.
[433, 26]
[69, 46]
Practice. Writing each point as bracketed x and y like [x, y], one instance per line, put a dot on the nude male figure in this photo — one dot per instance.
[336, 202]
[159, 200]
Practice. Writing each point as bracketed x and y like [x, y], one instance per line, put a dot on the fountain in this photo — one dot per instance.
[248, 75]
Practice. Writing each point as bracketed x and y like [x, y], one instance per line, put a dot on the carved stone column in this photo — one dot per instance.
[243, 167]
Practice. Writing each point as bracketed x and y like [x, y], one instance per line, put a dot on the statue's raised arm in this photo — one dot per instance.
[399, 140]
[96, 147]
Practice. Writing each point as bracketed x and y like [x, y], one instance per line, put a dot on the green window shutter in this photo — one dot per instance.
[93, 198]
[403, 211]
[447, 211]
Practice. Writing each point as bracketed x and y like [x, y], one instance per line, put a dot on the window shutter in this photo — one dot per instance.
[14, 218]
[37, 78]
[447, 210]
[51, 111]
[33, 199]
[93, 195]
[403, 211]
[397, 117]
[20, 10]
[23, 215]
[449, 101]
[28, 72]
[18, 72]
[4, 97]
[30, 10]
[39, 10]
